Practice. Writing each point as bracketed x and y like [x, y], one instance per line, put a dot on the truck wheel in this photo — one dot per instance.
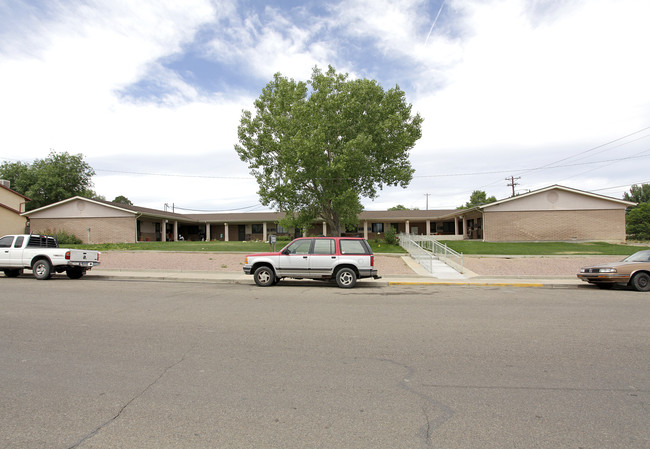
[42, 269]
[13, 272]
[346, 278]
[264, 276]
[641, 282]
[74, 272]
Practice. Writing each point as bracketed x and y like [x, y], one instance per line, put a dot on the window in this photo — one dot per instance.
[282, 230]
[354, 247]
[300, 246]
[5, 242]
[19, 241]
[324, 246]
[257, 228]
[377, 227]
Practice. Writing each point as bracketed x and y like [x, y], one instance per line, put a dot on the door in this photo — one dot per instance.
[323, 257]
[296, 261]
[241, 233]
[5, 250]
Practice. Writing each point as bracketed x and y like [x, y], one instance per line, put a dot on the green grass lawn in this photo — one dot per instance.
[540, 248]
[463, 246]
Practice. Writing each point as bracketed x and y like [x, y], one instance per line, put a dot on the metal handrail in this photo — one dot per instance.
[424, 247]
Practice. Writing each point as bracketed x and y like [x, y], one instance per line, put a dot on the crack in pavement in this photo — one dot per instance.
[125, 406]
[443, 411]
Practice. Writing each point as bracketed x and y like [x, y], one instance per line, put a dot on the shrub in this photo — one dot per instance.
[390, 237]
[63, 237]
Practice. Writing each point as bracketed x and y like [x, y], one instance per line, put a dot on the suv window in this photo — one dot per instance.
[353, 247]
[300, 246]
[324, 246]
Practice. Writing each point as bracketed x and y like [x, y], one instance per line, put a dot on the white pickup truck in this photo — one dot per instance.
[42, 255]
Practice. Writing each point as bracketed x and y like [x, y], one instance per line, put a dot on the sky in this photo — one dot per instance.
[151, 92]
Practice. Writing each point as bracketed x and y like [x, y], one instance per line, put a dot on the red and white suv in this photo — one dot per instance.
[344, 259]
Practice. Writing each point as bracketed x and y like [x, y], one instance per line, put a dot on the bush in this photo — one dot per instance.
[390, 237]
[63, 237]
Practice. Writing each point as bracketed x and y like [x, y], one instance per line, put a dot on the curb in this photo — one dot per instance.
[247, 280]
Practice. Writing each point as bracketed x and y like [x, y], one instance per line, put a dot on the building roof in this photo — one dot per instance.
[558, 187]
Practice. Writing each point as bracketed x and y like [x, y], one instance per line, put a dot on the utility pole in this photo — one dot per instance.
[427, 195]
[513, 183]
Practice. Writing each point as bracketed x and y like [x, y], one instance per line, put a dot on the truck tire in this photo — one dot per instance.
[42, 269]
[74, 272]
[13, 272]
[641, 282]
[264, 276]
[346, 278]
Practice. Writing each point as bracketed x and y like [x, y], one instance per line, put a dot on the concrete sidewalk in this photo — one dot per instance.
[386, 280]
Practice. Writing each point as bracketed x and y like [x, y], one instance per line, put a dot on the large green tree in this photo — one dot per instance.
[478, 198]
[317, 147]
[638, 194]
[46, 181]
[638, 222]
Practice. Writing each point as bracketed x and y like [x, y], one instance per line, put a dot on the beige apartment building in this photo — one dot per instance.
[12, 205]
[555, 213]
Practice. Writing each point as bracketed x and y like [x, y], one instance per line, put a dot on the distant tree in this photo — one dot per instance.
[478, 198]
[58, 177]
[316, 147]
[400, 207]
[638, 222]
[638, 194]
[121, 199]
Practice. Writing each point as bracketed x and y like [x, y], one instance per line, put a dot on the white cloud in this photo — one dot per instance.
[501, 84]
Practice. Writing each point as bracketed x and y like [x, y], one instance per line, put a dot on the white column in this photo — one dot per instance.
[163, 231]
[175, 238]
[264, 238]
[455, 225]
[207, 232]
[225, 232]
[365, 229]
[408, 227]
[324, 228]
[428, 227]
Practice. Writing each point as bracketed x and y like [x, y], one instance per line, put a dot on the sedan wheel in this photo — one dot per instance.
[346, 278]
[264, 276]
[641, 282]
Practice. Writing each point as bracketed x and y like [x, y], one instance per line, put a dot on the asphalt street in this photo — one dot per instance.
[133, 364]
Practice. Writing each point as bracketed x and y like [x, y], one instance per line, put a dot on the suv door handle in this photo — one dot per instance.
[304, 257]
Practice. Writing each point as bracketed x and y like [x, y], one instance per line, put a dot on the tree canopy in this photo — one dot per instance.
[121, 199]
[402, 207]
[638, 194]
[478, 198]
[46, 181]
[317, 147]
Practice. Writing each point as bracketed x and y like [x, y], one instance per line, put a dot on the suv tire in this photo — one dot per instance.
[264, 276]
[346, 278]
